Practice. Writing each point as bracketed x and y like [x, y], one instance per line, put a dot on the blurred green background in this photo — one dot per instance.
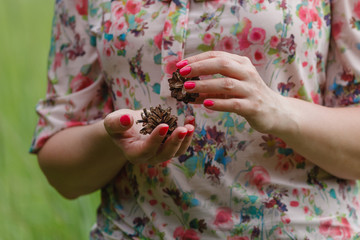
[29, 208]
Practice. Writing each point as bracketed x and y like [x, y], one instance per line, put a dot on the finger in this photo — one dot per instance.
[236, 105]
[227, 64]
[171, 146]
[219, 86]
[186, 143]
[213, 54]
[190, 120]
[118, 122]
[153, 143]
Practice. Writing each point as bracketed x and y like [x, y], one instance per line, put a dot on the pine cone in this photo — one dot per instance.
[151, 119]
[176, 84]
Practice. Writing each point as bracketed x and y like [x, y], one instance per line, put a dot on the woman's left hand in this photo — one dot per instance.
[241, 89]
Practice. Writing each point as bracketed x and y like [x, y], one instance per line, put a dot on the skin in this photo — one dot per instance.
[311, 130]
[80, 160]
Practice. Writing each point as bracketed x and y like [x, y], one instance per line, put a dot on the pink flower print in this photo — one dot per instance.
[41, 141]
[120, 26]
[274, 41]
[120, 44]
[167, 28]
[226, 44]
[208, 38]
[257, 36]
[190, 234]
[258, 56]
[295, 192]
[107, 26]
[258, 176]
[117, 9]
[109, 106]
[223, 219]
[294, 203]
[336, 29]
[80, 82]
[171, 63]
[311, 34]
[306, 209]
[57, 61]
[357, 9]
[158, 40]
[181, 234]
[82, 7]
[285, 219]
[108, 52]
[336, 231]
[346, 229]
[152, 172]
[305, 15]
[315, 97]
[243, 35]
[133, 7]
[182, 21]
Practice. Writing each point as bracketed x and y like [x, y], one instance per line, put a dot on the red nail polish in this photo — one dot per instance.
[182, 135]
[182, 64]
[192, 122]
[125, 120]
[190, 132]
[189, 85]
[185, 70]
[208, 103]
[163, 131]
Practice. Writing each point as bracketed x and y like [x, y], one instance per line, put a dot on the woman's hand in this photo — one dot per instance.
[138, 148]
[241, 90]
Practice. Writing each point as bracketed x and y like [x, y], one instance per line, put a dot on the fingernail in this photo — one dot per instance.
[163, 131]
[182, 135]
[189, 85]
[182, 64]
[208, 103]
[185, 70]
[125, 120]
[190, 132]
[192, 122]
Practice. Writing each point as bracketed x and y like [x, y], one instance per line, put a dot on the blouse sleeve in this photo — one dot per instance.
[343, 67]
[77, 93]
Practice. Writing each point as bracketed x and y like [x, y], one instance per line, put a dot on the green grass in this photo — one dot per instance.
[29, 208]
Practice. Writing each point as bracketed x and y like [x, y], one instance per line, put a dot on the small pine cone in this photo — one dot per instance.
[176, 83]
[151, 119]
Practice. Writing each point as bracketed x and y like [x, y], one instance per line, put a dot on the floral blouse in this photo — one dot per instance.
[233, 182]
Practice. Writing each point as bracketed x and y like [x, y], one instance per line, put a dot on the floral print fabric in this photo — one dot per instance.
[234, 182]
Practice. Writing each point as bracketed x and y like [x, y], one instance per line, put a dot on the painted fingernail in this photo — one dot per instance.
[182, 135]
[185, 70]
[189, 85]
[163, 131]
[190, 132]
[208, 103]
[192, 121]
[182, 64]
[125, 120]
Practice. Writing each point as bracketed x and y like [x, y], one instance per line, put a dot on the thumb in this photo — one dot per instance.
[118, 122]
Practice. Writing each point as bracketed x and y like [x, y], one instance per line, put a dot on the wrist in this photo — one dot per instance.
[287, 118]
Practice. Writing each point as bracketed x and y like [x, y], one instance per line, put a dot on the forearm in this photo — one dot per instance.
[80, 160]
[329, 137]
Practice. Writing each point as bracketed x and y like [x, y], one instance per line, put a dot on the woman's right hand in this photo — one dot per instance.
[138, 148]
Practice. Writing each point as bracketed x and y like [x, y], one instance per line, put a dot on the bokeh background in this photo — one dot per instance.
[29, 208]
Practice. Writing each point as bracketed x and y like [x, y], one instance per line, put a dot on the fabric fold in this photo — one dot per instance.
[173, 41]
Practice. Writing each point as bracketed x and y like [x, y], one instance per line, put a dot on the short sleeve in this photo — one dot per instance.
[343, 66]
[77, 93]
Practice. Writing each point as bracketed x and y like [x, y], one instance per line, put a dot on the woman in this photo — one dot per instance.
[274, 151]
